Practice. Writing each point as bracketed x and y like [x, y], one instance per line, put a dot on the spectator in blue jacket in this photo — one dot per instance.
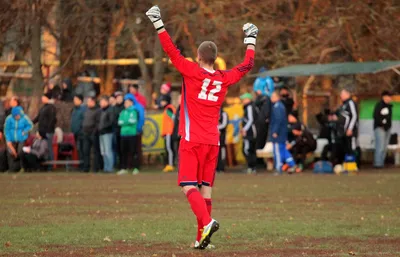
[141, 118]
[16, 130]
[264, 85]
[278, 135]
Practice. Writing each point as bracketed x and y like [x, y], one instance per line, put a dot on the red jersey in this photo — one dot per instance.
[203, 93]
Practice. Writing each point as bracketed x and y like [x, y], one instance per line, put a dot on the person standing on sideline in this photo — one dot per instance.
[140, 105]
[176, 138]
[47, 119]
[91, 136]
[382, 126]
[105, 128]
[118, 108]
[134, 90]
[140, 123]
[286, 99]
[223, 123]
[278, 132]
[128, 122]
[249, 132]
[262, 123]
[16, 130]
[78, 113]
[165, 95]
[349, 112]
[167, 131]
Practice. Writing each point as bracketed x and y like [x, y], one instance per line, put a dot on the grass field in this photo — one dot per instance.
[72, 214]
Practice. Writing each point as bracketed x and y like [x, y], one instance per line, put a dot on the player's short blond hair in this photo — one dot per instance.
[208, 52]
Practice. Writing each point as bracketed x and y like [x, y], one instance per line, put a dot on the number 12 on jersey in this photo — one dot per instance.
[210, 96]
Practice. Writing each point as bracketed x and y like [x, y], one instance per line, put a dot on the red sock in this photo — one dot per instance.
[199, 230]
[199, 224]
[209, 205]
[198, 206]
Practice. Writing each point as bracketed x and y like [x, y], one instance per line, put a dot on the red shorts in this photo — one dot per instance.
[197, 163]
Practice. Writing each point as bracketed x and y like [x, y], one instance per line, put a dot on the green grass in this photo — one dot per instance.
[70, 214]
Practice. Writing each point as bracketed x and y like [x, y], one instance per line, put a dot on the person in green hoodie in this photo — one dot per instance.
[128, 120]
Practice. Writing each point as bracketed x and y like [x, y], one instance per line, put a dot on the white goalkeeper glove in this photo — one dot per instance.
[154, 15]
[251, 31]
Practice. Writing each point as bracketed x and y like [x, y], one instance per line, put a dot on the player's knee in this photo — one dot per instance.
[186, 189]
[206, 191]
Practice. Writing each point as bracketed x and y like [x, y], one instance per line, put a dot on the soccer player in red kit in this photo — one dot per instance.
[203, 92]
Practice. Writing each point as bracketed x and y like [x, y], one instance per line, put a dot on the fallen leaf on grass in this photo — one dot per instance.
[107, 239]
[8, 244]
[352, 253]
[143, 234]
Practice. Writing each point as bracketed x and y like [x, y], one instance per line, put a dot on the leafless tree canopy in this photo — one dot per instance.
[291, 31]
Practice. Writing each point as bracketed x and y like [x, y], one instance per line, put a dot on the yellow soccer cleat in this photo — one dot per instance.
[208, 231]
[168, 168]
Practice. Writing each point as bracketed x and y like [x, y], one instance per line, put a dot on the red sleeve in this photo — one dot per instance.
[184, 66]
[235, 74]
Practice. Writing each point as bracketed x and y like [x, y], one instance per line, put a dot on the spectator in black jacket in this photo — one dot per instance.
[47, 119]
[2, 115]
[175, 133]
[303, 144]
[91, 136]
[105, 128]
[118, 108]
[77, 117]
[382, 126]
[249, 132]
[323, 121]
[3, 153]
[262, 123]
[32, 156]
[67, 90]
[334, 151]
[222, 124]
[348, 111]
[286, 99]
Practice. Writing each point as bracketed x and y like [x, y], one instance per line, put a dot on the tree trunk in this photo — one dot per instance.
[143, 67]
[158, 67]
[37, 75]
[65, 43]
[116, 28]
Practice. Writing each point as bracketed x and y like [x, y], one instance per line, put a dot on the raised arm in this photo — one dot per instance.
[234, 75]
[184, 66]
